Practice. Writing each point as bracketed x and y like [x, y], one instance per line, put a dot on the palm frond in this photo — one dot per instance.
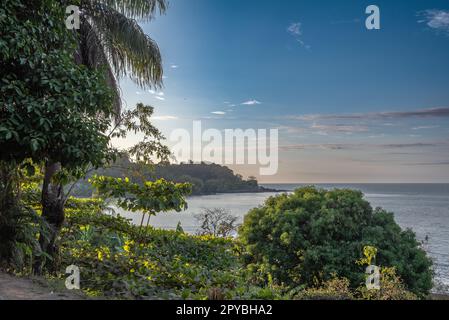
[135, 9]
[91, 53]
[128, 49]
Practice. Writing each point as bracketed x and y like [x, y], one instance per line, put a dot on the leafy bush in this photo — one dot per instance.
[391, 288]
[123, 260]
[334, 289]
[307, 237]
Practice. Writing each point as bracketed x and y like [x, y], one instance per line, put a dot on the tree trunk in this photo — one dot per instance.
[8, 204]
[53, 212]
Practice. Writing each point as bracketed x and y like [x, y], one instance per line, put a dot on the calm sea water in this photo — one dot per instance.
[424, 208]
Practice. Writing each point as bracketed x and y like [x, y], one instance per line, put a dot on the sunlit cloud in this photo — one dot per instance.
[219, 113]
[160, 93]
[251, 102]
[157, 95]
[164, 118]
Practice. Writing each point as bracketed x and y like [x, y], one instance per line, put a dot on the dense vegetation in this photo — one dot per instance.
[312, 235]
[205, 178]
[121, 260]
[59, 110]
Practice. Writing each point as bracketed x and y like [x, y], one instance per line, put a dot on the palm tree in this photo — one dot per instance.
[110, 38]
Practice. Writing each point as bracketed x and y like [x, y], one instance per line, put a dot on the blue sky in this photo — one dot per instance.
[351, 104]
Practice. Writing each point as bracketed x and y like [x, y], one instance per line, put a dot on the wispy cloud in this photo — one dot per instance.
[220, 113]
[439, 163]
[422, 113]
[425, 127]
[251, 102]
[339, 128]
[158, 95]
[435, 19]
[347, 146]
[295, 30]
[174, 66]
[164, 118]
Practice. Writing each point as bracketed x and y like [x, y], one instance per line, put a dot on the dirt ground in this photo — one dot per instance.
[14, 288]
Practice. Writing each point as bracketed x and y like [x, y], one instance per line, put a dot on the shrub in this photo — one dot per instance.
[391, 288]
[306, 237]
[118, 259]
[334, 289]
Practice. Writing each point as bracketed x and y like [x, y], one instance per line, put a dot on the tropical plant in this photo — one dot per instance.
[149, 198]
[111, 41]
[52, 110]
[307, 237]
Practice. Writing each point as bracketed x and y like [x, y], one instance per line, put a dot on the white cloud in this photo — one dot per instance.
[164, 118]
[161, 94]
[339, 128]
[158, 95]
[436, 19]
[295, 29]
[251, 102]
[174, 66]
[425, 127]
[219, 113]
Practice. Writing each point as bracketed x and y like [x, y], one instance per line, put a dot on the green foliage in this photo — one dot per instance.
[307, 237]
[333, 289]
[391, 288]
[117, 260]
[19, 222]
[150, 197]
[336, 288]
[51, 108]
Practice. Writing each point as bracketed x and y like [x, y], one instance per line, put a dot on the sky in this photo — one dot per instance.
[350, 104]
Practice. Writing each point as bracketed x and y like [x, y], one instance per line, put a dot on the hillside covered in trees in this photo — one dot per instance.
[205, 178]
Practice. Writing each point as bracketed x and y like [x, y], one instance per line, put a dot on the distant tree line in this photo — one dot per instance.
[205, 178]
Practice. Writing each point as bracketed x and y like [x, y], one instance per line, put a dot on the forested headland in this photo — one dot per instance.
[205, 178]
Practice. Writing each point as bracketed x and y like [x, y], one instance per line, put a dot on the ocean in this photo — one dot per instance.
[424, 208]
